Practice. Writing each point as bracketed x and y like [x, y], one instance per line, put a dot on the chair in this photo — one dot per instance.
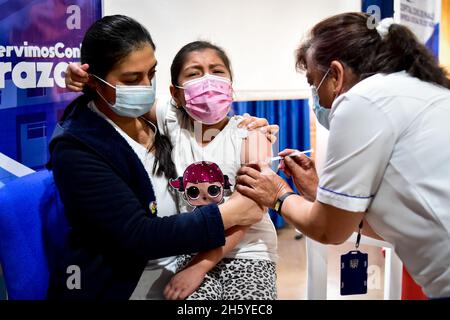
[317, 262]
[32, 229]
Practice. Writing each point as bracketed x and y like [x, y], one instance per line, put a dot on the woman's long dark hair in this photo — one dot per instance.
[348, 39]
[106, 43]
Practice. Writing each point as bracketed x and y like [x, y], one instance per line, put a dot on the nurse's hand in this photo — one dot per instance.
[240, 211]
[76, 76]
[253, 123]
[303, 171]
[261, 184]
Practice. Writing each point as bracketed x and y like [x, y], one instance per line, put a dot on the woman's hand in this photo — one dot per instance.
[240, 211]
[76, 76]
[261, 184]
[252, 123]
[303, 171]
[184, 283]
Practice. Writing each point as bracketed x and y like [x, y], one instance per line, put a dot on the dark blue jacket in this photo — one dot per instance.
[107, 193]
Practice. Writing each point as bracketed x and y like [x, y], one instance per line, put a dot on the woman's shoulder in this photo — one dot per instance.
[392, 90]
[86, 135]
[66, 152]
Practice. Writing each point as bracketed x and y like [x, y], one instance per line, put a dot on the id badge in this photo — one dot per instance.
[354, 273]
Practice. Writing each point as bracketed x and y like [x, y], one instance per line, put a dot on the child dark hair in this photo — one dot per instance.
[180, 57]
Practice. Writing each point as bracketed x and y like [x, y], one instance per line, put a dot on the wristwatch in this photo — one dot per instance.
[280, 201]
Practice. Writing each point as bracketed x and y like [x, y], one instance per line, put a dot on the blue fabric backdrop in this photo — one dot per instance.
[293, 118]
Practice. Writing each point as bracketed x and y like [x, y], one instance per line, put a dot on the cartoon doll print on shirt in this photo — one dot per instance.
[202, 183]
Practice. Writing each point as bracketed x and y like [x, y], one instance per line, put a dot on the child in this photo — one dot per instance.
[196, 122]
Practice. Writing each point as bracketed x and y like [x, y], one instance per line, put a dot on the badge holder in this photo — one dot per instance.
[354, 270]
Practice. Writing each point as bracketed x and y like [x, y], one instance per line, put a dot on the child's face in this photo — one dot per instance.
[201, 194]
[197, 64]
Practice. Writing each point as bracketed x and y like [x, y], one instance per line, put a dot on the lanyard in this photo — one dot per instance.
[354, 270]
[358, 239]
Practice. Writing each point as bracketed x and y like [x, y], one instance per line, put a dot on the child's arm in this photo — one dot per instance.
[76, 77]
[256, 147]
[185, 282]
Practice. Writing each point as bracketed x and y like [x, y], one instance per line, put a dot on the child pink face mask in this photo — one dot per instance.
[208, 99]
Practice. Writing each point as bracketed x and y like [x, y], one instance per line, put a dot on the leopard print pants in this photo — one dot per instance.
[236, 279]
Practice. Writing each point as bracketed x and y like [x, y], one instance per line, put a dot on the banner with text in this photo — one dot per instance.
[423, 17]
[38, 38]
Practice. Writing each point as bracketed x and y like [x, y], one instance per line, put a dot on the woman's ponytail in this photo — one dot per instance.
[346, 37]
[401, 50]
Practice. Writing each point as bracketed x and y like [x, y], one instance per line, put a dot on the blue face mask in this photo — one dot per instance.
[131, 101]
[322, 114]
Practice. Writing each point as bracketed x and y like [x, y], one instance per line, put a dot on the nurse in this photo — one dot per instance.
[388, 106]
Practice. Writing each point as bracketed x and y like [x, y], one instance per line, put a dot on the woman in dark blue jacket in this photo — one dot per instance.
[108, 197]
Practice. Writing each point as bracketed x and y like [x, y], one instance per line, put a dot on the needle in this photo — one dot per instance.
[295, 154]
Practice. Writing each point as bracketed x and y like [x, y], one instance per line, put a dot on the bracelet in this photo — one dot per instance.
[280, 201]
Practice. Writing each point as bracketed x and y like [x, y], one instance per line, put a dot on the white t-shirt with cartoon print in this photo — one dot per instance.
[260, 240]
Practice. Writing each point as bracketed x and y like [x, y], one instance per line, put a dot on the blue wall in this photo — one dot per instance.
[292, 116]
